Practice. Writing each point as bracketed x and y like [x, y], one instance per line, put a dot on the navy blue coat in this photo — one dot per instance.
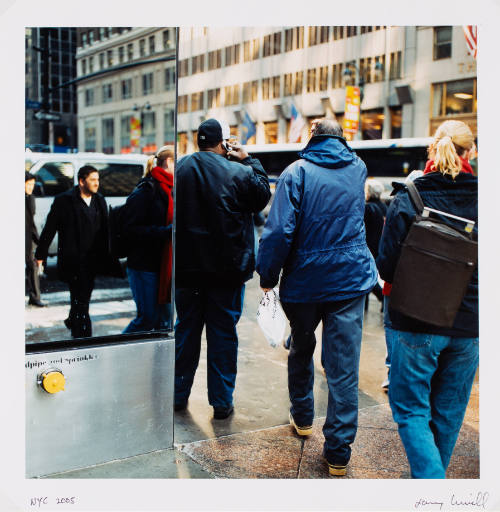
[456, 196]
[315, 230]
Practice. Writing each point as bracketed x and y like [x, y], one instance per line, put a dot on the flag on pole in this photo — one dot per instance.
[296, 124]
[470, 32]
[247, 128]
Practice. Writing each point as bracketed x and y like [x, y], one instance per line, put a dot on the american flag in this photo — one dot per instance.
[296, 124]
[470, 32]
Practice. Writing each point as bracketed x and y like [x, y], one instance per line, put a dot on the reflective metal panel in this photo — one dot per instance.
[117, 402]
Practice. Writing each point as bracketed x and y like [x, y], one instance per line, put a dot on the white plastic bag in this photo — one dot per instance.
[271, 318]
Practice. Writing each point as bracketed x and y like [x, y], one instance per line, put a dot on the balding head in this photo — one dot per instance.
[324, 126]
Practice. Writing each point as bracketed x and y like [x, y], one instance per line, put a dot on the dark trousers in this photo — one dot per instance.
[218, 309]
[341, 347]
[81, 286]
[32, 279]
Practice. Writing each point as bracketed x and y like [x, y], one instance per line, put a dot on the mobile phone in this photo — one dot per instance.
[226, 146]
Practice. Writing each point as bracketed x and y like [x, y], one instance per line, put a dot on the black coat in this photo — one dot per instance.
[31, 232]
[375, 211]
[65, 218]
[145, 225]
[215, 200]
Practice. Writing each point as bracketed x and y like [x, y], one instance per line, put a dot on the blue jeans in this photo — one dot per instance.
[341, 346]
[219, 309]
[389, 332]
[431, 380]
[150, 314]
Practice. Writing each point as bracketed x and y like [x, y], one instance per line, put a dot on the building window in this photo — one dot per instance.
[271, 132]
[232, 95]
[121, 54]
[379, 75]
[365, 69]
[313, 36]
[323, 78]
[215, 59]
[288, 84]
[101, 61]
[130, 51]
[372, 122]
[107, 93]
[148, 132]
[90, 136]
[267, 46]
[84, 67]
[198, 64]
[84, 39]
[167, 41]
[196, 101]
[109, 54]
[91, 37]
[265, 88]
[170, 79]
[151, 44]
[454, 98]
[337, 76]
[91, 64]
[324, 33]
[247, 92]
[255, 49]
[442, 42]
[311, 80]
[396, 122]
[232, 54]
[351, 31]
[276, 43]
[182, 104]
[108, 136]
[147, 84]
[142, 48]
[89, 97]
[246, 51]
[213, 98]
[395, 66]
[125, 134]
[366, 29]
[338, 33]
[183, 143]
[169, 126]
[126, 89]
[276, 86]
[299, 82]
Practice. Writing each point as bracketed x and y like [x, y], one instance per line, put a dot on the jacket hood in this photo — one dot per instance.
[328, 151]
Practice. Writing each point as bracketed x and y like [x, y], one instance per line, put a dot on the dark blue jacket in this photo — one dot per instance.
[315, 230]
[456, 196]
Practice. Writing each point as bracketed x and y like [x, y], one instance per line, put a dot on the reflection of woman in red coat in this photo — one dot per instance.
[148, 226]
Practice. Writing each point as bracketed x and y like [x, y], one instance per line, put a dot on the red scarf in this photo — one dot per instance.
[166, 181]
[429, 166]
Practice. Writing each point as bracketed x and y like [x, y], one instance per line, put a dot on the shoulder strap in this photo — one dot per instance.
[415, 197]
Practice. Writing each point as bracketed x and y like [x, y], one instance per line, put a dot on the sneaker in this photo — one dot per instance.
[385, 385]
[221, 413]
[337, 469]
[301, 430]
[37, 303]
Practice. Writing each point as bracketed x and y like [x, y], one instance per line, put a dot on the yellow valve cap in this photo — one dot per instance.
[53, 382]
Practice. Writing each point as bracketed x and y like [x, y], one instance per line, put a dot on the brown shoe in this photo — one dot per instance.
[301, 430]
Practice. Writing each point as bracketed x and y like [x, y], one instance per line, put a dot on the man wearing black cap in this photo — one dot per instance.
[216, 198]
[31, 237]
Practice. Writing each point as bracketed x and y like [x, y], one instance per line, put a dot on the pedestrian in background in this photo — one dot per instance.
[433, 368]
[216, 198]
[315, 233]
[147, 224]
[31, 237]
[80, 217]
[375, 211]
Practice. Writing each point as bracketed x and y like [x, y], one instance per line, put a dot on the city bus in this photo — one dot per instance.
[387, 160]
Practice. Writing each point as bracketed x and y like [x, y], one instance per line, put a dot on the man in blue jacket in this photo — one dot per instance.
[315, 232]
[214, 256]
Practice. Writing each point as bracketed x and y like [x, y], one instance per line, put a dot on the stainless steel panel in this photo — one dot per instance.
[117, 402]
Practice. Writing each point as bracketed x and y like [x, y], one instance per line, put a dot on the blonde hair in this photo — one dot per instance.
[159, 158]
[451, 140]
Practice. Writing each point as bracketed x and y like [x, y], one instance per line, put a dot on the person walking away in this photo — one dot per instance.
[315, 233]
[375, 211]
[216, 198]
[80, 217]
[31, 237]
[433, 368]
[147, 224]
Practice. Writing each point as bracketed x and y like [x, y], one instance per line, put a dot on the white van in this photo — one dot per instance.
[58, 172]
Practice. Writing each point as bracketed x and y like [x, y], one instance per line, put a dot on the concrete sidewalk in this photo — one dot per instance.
[257, 442]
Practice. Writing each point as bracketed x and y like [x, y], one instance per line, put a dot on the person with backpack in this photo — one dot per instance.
[433, 366]
[146, 222]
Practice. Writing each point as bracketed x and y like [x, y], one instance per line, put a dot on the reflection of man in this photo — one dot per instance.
[80, 217]
[315, 233]
[31, 237]
[214, 257]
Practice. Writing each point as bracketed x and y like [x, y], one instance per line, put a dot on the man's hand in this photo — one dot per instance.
[237, 151]
[265, 290]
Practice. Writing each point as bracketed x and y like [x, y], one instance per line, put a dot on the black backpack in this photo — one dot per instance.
[118, 243]
[435, 266]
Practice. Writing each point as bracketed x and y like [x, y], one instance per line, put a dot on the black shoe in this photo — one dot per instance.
[37, 303]
[180, 407]
[221, 413]
[67, 323]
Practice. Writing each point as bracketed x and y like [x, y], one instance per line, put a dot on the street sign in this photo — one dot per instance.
[47, 116]
[33, 104]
